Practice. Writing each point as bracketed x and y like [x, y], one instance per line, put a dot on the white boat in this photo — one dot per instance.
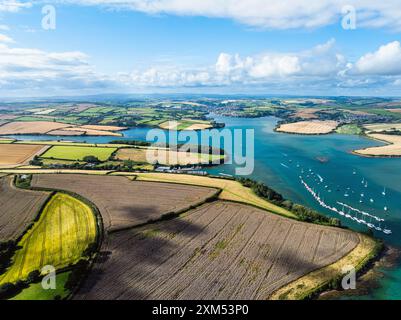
[371, 200]
[384, 192]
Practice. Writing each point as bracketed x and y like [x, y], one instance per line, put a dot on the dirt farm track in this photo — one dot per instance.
[220, 250]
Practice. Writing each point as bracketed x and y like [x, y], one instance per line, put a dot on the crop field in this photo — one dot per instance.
[64, 231]
[231, 190]
[309, 127]
[36, 292]
[124, 203]
[185, 124]
[220, 250]
[379, 127]
[349, 129]
[3, 141]
[306, 113]
[164, 156]
[392, 149]
[18, 154]
[34, 127]
[78, 153]
[18, 208]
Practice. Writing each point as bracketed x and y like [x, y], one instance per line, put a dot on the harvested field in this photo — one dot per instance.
[379, 127]
[169, 125]
[18, 208]
[33, 127]
[309, 127]
[395, 110]
[7, 116]
[220, 250]
[199, 126]
[163, 156]
[88, 132]
[103, 128]
[65, 133]
[392, 149]
[64, 231]
[306, 113]
[18, 154]
[231, 190]
[357, 257]
[124, 203]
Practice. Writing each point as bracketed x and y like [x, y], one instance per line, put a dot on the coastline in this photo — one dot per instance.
[325, 279]
[369, 278]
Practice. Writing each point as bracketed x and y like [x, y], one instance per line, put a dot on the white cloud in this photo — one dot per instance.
[385, 61]
[7, 39]
[26, 70]
[320, 68]
[268, 13]
[14, 5]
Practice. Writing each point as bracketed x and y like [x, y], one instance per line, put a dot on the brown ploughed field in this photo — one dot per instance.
[220, 250]
[18, 208]
[18, 154]
[124, 203]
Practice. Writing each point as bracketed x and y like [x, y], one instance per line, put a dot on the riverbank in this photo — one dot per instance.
[392, 149]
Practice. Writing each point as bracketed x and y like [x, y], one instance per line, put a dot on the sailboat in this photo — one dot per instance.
[370, 224]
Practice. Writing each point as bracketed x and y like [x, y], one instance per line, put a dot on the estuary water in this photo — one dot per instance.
[367, 189]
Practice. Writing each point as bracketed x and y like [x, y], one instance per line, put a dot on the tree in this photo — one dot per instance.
[91, 159]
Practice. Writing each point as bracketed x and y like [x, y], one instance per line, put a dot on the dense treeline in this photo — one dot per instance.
[303, 213]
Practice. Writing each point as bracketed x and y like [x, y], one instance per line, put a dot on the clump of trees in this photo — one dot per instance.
[302, 212]
[36, 161]
[132, 143]
[91, 159]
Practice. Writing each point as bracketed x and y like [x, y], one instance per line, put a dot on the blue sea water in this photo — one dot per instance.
[279, 159]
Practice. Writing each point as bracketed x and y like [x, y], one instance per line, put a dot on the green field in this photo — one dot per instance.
[36, 292]
[59, 238]
[3, 141]
[349, 129]
[78, 153]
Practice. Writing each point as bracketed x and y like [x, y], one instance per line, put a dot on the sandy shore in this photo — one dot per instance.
[392, 149]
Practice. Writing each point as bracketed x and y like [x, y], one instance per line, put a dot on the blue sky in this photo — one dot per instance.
[196, 46]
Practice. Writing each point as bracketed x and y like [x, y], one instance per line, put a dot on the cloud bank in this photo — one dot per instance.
[271, 14]
[322, 67]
